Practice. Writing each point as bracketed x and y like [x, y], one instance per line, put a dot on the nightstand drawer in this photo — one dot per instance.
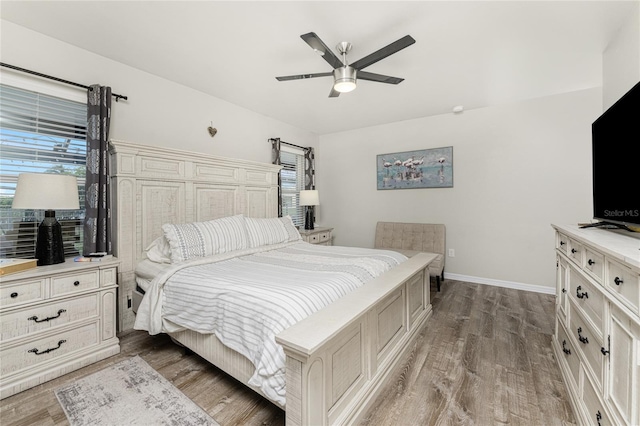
[74, 283]
[320, 237]
[23, 292]
[32, 319]
[26, 355]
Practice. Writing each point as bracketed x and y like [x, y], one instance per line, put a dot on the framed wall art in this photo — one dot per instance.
[424, 168]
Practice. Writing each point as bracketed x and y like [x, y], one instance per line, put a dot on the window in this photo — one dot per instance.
[39, 134]
[292, 182]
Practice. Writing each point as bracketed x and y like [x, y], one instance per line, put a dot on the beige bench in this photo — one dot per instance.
[412, 238]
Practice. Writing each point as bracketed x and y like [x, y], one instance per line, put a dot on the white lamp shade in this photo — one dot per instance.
[309, 197]
[46, 192]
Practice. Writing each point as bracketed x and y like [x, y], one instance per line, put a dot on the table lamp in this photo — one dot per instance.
[48, 192]
[309, 198]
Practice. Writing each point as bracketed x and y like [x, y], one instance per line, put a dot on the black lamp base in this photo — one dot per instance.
[308, 219]
[49, 246]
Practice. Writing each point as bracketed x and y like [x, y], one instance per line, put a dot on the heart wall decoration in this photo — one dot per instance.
[212, 131]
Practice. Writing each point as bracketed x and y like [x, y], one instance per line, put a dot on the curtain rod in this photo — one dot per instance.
[290, 144]
[13, 67]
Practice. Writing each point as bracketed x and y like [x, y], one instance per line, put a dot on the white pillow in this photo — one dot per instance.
[200, 239]
[159, 250]
[273, 230]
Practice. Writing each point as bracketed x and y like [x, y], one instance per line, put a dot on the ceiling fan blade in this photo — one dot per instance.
[303, 76]
[364, 75]
[334, 93]
[390, 49]
[318, 45]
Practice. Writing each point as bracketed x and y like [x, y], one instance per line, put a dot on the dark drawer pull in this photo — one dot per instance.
[599, 417]
[603, 350]
[618, 281]
[581, 337]
[14, 295]
[591, 262]
[581, 295]
[564, 349]
[574, 251]
[35, 318]
[76, 283]
[562, 243]
[564, 290]
[46, 351]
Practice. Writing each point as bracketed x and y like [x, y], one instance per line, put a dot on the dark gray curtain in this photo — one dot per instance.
[97, 222]
[309, 169]
[275, 159]
[310, 174]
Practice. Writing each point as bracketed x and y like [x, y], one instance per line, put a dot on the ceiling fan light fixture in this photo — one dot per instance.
[344, 79]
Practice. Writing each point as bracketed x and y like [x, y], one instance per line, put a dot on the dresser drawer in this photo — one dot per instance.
[46, 316]
[589, 343]
[569, 354]
[575, 251]
[588, 298]
[624, 283]
[596, 413]
[22, 292]
[593, 264]
[562, 243]
[26, 355]
[74, 283]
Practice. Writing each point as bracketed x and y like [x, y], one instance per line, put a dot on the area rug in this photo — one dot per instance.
[128, 393]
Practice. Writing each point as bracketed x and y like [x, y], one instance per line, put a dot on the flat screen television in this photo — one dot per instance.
[616, 163]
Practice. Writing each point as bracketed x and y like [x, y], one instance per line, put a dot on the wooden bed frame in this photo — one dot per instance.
[339, 358]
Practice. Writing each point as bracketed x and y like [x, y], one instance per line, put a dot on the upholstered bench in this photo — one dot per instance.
[412, 238]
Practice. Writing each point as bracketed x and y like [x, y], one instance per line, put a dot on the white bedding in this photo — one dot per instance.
[247, 297]
[147, 270]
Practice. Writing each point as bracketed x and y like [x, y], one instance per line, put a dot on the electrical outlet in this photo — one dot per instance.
[452, 253]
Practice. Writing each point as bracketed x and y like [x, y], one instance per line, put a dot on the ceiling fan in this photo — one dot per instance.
[345, 74]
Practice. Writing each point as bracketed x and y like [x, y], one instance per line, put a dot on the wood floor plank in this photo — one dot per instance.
[484, 358]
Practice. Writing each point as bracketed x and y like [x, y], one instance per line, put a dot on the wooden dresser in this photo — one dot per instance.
[597, 340]
[55, 319]
[320, 236]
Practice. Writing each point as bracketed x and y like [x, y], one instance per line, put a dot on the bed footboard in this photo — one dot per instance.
[339, 358]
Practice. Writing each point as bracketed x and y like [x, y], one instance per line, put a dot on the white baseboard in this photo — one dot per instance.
[500, 283]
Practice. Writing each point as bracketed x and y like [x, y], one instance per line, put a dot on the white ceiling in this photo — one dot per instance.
[474, 53]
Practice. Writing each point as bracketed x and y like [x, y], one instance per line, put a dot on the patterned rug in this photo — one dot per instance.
[130, 392]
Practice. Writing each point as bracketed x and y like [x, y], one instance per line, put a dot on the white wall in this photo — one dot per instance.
[517, 169]
[621, 64]
[158, 112]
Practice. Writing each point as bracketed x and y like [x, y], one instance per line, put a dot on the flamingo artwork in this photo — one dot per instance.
[425, 168]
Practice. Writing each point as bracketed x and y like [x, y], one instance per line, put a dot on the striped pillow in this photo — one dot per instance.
[200, 239]
[271, 231]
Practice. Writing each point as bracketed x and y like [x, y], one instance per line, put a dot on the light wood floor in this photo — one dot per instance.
[484, 358]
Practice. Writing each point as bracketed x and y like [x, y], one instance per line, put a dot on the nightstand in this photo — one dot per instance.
[320, 236]
[56, 319]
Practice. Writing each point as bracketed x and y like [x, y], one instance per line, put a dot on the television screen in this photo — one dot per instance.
[616, 162]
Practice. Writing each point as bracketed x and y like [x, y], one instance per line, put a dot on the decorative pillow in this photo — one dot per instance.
[159, 250]
[200, 239]
[273, 230]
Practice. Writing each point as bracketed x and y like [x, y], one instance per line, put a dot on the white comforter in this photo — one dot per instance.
[246, 298]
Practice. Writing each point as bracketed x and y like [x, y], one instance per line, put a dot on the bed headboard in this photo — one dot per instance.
[151, 186]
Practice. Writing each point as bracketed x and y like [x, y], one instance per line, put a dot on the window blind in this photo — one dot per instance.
[39, 134]
[292, 182]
